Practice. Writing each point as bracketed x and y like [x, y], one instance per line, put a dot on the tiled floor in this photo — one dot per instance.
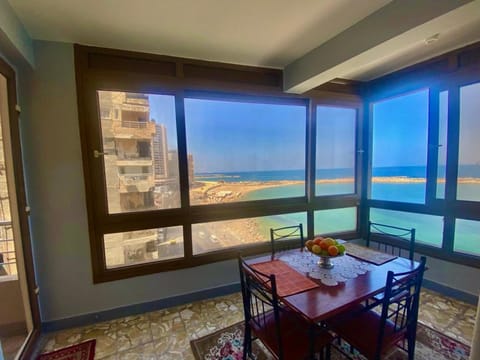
[165, 334]
[11, 345]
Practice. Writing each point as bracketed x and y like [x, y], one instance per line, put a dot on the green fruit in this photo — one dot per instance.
[341, 249]
[324, 253]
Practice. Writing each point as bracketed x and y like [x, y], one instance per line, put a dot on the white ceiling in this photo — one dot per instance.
[270, 33]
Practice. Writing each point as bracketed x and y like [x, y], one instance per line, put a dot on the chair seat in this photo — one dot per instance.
[362, 331]
[294, 332]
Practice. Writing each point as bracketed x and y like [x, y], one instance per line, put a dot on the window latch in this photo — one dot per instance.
[97, 154]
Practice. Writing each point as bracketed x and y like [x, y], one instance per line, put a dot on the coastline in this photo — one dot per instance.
[212, 192]
[251, 230]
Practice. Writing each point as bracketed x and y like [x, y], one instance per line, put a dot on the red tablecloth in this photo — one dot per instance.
[289, 281]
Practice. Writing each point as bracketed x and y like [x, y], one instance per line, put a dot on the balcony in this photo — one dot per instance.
[135, 97]
[130, 160]
[136, 105]
[133, 129]
[142, 182]
[8, 261]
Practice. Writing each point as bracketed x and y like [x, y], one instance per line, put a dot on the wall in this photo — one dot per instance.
[459, 277]
[13, 32]
[11, 307]
[58, 209]
[59, 220]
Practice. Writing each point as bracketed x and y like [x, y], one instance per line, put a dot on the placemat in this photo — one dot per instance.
[289, 281]
[366, 254]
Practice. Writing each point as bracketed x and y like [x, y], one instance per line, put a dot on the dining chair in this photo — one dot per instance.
[373, 333]
[284, 332]
[391, 239]
[287, 237]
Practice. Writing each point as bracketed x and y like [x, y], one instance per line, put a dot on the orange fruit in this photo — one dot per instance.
[326, 243]
[318, 240]
[332, 250]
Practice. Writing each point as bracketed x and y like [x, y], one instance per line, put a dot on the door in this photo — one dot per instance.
[19, 315]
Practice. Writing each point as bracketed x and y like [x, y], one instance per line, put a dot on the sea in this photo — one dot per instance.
[429, 228]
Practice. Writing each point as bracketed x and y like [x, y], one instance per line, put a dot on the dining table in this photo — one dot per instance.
[318, 293]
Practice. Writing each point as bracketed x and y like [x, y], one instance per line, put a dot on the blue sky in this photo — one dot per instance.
[228, 136]
[400, 131]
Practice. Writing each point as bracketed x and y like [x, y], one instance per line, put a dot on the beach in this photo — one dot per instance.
[213, 192]
[242, 231]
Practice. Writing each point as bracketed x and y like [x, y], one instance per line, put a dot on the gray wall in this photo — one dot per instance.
[59, 220]
[59, 217]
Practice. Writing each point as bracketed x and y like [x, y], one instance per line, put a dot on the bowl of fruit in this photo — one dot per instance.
[325, 248]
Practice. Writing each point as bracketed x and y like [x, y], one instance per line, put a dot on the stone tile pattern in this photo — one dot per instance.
[166, 334]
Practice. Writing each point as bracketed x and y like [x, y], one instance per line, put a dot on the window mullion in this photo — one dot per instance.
[432, 149]
[310, 164]
[183, 171]
[451, 173]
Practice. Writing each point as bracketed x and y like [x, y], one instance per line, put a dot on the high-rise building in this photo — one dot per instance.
[128, 147]
[160, 152]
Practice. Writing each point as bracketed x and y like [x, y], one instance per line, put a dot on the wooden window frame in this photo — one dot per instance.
[115, 70]
[447, 72]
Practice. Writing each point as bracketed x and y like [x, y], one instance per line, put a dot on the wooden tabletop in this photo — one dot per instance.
[324, 301]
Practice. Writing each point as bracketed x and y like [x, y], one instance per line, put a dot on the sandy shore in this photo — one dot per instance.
[242, 231]
[409, 180]
[212, 192]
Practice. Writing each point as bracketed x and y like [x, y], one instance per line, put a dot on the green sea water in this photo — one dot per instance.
[429, 228]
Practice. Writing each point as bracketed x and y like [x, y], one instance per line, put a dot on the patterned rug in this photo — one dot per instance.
[227, 344]
[82, 351]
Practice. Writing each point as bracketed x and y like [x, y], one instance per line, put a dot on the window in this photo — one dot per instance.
[141, 171]
[192, 164]
[335, 220]
[468, 182]
[467, 237]
[233, 233]
[399, 148]
[244, 151]
[428, 228]
[149, 245]
[335, 153]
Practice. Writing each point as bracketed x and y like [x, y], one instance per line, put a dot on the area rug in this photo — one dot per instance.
[82, 351]
[227, 344]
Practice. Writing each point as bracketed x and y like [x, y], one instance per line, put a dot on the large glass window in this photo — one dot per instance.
[335, 153]
[244, 150]
[467, 236]
[468, 183]
[139, 139]
[177, 176]
[399, 148]
[335, 220]
[231, 233]
[143, 246]
[428, 228]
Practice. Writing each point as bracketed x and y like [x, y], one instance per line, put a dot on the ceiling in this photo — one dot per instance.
[269, 33]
